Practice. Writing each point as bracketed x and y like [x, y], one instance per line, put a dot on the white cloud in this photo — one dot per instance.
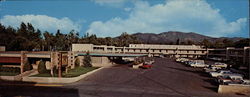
[173, 15]
[127, 9]
[42, 22]
[113, 3]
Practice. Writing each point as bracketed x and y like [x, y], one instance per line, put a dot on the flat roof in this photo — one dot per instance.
[113, 54]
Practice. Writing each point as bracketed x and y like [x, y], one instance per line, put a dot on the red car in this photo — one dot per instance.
[146, 66]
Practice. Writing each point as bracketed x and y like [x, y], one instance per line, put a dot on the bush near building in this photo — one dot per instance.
[42, 67]
[77, 62]
[27, 66]
[87, 60]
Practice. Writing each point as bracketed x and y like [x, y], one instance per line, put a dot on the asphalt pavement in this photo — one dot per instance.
[165, 79]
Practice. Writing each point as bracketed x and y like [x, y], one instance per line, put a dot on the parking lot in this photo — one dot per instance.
[165, 79]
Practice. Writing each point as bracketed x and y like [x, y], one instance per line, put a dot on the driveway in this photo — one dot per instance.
[166, 79]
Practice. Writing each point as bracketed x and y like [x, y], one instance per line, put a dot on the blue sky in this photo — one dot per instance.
[217, 18]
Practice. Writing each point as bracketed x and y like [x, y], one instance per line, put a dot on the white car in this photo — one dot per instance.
[128, 59]
[243, 83]
[211, 69]
[149, 62]
[220, 73]
[219, 64]
[181, 59]
[197, 64]
[246, 82]
[189, 62]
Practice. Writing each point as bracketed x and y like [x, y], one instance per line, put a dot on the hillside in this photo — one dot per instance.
[173, 36]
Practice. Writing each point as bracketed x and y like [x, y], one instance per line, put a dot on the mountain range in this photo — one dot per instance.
[173, 36]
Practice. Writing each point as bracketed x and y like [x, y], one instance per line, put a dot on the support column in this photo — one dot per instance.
[207, 52]
[228, 52]
[54, 60]
[23, 60]
[123, 49]
[60, 65]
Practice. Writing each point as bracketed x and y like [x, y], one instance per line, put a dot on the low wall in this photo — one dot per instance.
[234, 89]
[101, 62]
[11, 78]
[57, 80]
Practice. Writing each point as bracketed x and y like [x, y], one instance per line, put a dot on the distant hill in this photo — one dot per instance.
[173, 36]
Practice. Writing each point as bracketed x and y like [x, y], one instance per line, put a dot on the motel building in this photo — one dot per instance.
[104, 56]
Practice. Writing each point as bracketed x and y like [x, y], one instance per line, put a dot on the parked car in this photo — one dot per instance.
[220, 73]
[181, 60]
[188, 63]
[211, 69]
[246, 82]
[219, 64]
[146, 66]
[233, 78]
[149, 62]
[198, 64]
[128, 59]
[243, 83]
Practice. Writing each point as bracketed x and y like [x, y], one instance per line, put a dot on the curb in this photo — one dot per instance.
[58, 80]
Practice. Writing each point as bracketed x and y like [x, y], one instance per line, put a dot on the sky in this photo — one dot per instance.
[110, 18]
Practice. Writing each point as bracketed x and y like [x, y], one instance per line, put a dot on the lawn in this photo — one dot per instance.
[71, 73]
[9, 73]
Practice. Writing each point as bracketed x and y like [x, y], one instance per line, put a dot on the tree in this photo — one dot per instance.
[189, 42]
[242, 43]
[177, 41]
[87, 60]
[49, 40]
[206, 43]
[227, 43]
[218, 44]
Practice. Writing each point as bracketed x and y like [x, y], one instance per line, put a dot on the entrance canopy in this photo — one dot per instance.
[113, 54]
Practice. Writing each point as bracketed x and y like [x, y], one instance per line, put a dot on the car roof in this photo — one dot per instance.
[224, 70]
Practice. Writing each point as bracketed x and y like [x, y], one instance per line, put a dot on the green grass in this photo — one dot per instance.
[71, 73]
[9, 73]
[78, 71]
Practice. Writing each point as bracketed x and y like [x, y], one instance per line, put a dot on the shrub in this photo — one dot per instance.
[77, 62]
[27, 66]
[42, 67]
[87, 60]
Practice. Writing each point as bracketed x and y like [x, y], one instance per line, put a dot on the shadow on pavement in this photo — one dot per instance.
[211, 81]
[214, 89]
[195, 71]
[27, 89]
